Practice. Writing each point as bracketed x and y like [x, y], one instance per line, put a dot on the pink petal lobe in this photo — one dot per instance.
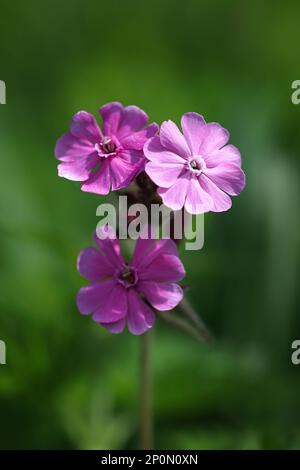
[164, 268]
[174, 197]
[79, 169]
[140, 317]
[215, 138]
[110, 247]
[133, 120]
[157, 153]
[221, 201]
[125, 167]
[146, 250]
[197, 200]
[90, 297]
[162, 296]
[164, 175]
[112, 114]
[100, 181]
[113, 307]
[137, 140]
[116, 327]
[84, 126]
[194, 130]
[164, 166]
[93, 265]
[227, 154]
[172, 139]
[228, 177]
[69, 148]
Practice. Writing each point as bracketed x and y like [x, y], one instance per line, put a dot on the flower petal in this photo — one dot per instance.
[228, 177]
[79, 169]
[164, 268]
[215, 138]
[113, 307]
[197, 200]
[227, 154]
[172, 139]
[90, 297]
[137, 140]
[93, 265]
[116, 327]
[69, 148]
[161, 296]
[156, 152]
[125, 167]
[141, 252]
[194, 130]
[164, 166]
[100, 181]
[146, 250]
[174, 197]
[110, 247]
[133, 120]
[164, 175]
[221, 201]
[84, 126]
[140, 317]
[111, 115]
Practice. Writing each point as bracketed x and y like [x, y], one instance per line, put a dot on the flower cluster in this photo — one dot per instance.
[194, 170]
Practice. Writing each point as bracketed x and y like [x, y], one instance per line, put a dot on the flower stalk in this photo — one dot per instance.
[146, 418]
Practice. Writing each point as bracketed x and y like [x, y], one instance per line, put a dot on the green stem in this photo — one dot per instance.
[146, 392]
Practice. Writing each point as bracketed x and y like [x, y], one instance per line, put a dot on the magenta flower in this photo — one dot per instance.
[121, 292]
[109, 159]
[196, 169]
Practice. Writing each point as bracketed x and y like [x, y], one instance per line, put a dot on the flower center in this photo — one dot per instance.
[106, 148]
[127, 276]
[197, 164]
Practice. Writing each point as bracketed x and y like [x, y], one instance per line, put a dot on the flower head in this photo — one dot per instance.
[109, 158]
[122, 292]
[196, 169]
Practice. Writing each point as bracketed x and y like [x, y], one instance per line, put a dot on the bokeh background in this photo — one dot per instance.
[69, 384]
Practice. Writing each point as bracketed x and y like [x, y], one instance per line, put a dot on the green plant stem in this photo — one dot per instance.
[187, 309]
[146, 392]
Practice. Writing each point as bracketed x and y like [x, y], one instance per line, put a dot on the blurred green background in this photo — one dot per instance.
[69, 384]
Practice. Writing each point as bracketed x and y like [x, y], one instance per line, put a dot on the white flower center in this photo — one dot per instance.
[196, 164]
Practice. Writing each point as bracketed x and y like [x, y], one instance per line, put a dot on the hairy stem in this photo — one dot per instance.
[181, 324]
[186, 308]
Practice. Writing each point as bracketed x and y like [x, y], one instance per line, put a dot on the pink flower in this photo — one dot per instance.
[108, 159]
[196, 169]
[121, 292]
